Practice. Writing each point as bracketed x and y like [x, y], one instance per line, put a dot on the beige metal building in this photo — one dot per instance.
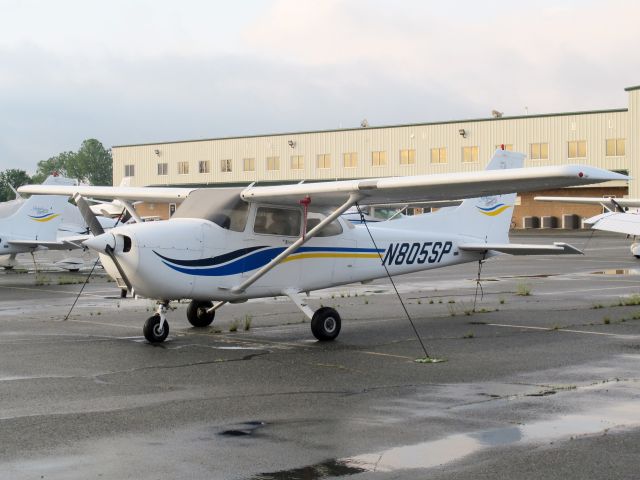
[607, 138]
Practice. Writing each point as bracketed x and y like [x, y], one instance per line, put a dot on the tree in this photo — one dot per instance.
[92, 163]
[12, 178]
[57, 163]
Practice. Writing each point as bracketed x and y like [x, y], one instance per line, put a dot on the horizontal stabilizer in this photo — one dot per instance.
[558, 248]
[628, 223]
[67, 244]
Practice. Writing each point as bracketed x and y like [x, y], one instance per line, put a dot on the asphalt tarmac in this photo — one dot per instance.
[540, 380]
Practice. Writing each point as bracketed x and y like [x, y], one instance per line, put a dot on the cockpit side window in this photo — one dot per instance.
[277, 221]
[222, 206]
[314, 218]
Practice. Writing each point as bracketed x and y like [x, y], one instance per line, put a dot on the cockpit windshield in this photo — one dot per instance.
[222, 206]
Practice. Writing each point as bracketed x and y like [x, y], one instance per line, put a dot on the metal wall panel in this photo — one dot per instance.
[556, 130]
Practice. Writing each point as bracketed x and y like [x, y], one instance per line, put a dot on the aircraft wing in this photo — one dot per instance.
[149, 194]
[558, 248]
[431, 187]
[610, 203]
[628, 223]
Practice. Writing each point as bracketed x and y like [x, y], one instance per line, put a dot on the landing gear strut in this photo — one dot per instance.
[325, 322]
[156, 328]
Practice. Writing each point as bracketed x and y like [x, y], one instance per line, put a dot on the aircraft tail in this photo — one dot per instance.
[486, 219]
[37, 218]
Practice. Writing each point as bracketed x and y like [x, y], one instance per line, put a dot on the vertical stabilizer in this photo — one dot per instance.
[38, 218]
[486, 219]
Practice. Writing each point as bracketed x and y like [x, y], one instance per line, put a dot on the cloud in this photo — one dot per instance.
[150, 71]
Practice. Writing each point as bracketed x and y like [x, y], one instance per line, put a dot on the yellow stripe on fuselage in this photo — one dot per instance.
[302, 256]
[46, 219]
[497, 211]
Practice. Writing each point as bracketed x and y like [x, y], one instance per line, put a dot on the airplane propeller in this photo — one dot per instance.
[100, 237]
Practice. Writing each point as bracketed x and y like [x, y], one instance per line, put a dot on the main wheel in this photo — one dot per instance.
[197, 313]
[325, 324]
[152, 330]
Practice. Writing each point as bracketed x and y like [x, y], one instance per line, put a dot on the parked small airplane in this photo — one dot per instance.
[71, 229]
[233, 244]
[33, 225]
[618, 217]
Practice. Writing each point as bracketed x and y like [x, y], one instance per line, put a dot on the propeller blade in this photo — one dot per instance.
[89, 217]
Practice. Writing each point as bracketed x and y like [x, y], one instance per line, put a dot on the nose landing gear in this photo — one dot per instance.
[156, 328]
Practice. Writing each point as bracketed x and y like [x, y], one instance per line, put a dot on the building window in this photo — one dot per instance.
[507, 146]
[439, 155]
[615, 147]
[204, 166]
[163, 169]
[225, 165]
[273, 163]
[378, 159]
[577, 149]
[350, 160]
[183, 168]
[297, 162]
[129, 170]
[248, 164]
[324, 160]
[407, 157]
[539, 151]
[469, 154]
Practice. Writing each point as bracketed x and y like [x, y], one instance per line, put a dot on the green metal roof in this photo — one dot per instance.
[628, 89]
[448, 122]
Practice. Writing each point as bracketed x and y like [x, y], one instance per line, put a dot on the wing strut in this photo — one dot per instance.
[353, 198]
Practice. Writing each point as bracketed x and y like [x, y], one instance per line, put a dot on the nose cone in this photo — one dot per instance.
[99, 243]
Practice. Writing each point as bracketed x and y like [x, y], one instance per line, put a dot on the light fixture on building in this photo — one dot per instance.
[157, 152]
[462, 133]
[364, 123]
[496, 114]
[292, 144]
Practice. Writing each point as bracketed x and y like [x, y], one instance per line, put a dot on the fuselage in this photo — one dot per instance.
[198, 259]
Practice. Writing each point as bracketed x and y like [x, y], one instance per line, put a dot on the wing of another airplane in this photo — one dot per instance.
[628, 223]
[610, 203]
[558, 248]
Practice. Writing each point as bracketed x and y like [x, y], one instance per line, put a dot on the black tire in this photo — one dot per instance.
[197, 315]
[152, 331]
[325, 324]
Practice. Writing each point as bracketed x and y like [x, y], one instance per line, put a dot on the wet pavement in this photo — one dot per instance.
[540, 380]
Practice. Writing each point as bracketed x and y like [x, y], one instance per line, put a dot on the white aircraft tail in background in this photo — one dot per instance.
[35, 224]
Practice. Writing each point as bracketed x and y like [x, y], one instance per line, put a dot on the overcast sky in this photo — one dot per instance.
[127, 71]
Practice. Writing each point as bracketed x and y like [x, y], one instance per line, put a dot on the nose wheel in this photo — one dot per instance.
[156, 328]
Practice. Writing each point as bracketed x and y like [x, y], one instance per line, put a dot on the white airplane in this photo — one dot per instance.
[230, 245]
[17, 226]
[618, 218]
[33, 225]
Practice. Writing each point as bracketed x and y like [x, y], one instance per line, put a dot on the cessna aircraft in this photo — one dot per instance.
[617, 218]
[22, 231]
[33, 225]
[229, 245]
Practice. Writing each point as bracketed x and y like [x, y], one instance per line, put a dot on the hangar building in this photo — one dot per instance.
[607, 139]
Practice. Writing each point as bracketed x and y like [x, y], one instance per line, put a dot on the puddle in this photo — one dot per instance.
[617, 271]
[245, 429]
[455, 447]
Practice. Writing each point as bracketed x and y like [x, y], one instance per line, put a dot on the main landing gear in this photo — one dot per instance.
[325, 322]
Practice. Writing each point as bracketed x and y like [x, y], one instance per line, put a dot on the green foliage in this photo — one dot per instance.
[91, 163]
[12, 178]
